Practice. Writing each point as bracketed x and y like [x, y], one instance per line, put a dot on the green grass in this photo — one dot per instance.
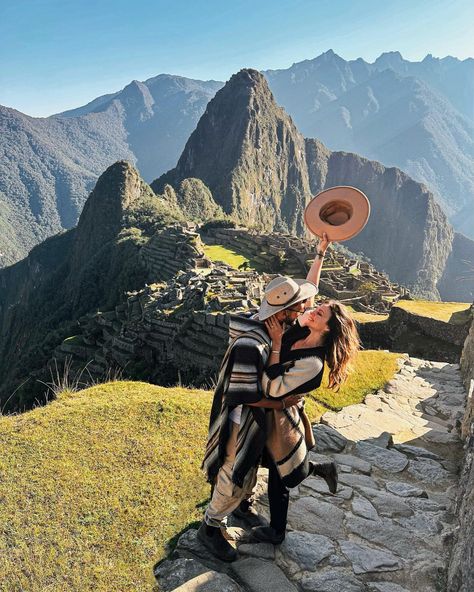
[449, 312]
[95, 485]
[371, 370]
[221, 253]
[366, 317]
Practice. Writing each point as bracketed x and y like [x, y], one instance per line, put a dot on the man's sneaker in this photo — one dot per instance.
[248, 513]
[213, 539]
[267, 534]
[327, 470]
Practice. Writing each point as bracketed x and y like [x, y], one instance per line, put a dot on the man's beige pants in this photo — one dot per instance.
[227, 496]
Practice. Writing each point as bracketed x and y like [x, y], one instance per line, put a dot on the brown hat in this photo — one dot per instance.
[341, 212]
[282, 292]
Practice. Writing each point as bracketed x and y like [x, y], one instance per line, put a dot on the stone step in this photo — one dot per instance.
[387, 527]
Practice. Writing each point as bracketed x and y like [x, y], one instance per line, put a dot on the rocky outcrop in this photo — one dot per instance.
[418, 335]
[249, 153]
[457, 281]
[102, 217]
[195, 200]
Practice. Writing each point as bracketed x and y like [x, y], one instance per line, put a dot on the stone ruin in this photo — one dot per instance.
[175, 328]
[347, 279]
[170, 330]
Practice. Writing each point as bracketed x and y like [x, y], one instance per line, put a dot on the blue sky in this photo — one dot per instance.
[58, 54]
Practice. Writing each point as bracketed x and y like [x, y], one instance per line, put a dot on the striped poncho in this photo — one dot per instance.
[299, 372]
[239, 384]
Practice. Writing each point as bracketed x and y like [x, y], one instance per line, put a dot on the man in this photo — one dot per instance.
[237, 426]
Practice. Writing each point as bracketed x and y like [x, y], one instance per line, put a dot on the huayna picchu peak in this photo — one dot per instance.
[249, 153]
[262, 172]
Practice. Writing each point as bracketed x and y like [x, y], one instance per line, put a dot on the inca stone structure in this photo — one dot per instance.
[419, 335]
[397, 516]
[345, 278]
[179, 324]
[175, 329]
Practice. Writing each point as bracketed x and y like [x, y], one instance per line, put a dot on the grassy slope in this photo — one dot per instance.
[221, 253]
[91, 486]
[450, 312]
[370, 372]
[94, 485]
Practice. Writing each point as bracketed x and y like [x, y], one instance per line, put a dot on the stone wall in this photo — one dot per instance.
[170, 332]
[171, 250]
[461, 568]
[417, 335]
[343, 277]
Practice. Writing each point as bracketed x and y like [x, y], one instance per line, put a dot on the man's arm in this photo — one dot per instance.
[278, 404]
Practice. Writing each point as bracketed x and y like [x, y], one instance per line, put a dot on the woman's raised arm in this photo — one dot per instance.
[315, 270]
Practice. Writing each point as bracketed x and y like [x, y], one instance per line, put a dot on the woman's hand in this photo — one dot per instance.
[324, 243]
[292, 400]
[275, 330]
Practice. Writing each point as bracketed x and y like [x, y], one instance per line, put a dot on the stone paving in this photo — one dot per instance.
[389, 526]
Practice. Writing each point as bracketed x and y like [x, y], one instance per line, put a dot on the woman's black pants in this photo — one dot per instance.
[278, 497]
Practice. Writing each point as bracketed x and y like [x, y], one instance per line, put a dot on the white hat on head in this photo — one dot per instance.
[282, 292]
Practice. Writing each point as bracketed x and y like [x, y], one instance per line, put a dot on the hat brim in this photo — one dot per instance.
[351, 198]
[307, 290]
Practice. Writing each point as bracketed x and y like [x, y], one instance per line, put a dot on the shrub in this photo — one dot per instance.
[218, 223]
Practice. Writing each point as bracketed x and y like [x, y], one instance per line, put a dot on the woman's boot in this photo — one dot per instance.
[327, 470]
[213, 539]
[267, 534]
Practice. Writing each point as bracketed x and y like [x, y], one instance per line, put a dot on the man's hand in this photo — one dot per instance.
[275, 330]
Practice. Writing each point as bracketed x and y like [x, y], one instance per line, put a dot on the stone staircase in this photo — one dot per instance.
[390, 525]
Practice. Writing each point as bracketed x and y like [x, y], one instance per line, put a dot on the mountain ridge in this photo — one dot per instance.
[408, 234]
[49, 165]
[324, 94]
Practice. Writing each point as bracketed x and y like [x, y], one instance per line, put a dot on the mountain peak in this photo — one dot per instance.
[137, 97]
[248, 152]
[389, 58]
[247, 77]
[119, 185]
[329, 57]
[102, 217]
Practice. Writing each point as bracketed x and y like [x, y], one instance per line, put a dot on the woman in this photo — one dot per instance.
[325, 333]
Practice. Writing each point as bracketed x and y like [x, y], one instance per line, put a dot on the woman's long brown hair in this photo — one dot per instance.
[342, 343]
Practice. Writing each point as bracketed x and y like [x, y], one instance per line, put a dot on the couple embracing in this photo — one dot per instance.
[257, 416]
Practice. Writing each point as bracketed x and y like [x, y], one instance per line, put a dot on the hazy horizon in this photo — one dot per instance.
[58, 55]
